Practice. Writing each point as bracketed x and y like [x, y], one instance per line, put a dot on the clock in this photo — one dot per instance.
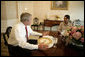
[36, 21]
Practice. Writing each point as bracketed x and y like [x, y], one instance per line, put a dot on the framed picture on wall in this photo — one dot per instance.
[59, 5]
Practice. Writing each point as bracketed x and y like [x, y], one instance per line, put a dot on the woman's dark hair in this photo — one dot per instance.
[67, 16]
[8, 30]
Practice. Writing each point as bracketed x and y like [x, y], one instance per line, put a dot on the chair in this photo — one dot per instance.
[6, 35]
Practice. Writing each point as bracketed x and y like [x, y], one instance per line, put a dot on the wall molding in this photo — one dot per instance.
[3, 25]
[6, 23]
[11, 22]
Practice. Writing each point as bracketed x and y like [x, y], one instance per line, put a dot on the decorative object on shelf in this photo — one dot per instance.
[75, 36]
[41, 25]
[59, 5]
[57, 17]
[35, 21]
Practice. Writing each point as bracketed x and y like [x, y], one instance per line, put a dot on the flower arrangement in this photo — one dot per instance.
[75, 34]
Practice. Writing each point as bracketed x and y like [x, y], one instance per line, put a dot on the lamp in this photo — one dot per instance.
[57, 17]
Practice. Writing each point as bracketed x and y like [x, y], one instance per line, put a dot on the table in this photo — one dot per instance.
[60, 50]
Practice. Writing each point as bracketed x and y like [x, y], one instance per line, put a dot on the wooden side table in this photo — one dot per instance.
[51, 23]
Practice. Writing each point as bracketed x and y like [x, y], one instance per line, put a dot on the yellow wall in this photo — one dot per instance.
[3, 16]
[3, 10]
[8, 14]
[11, 9]
[42, 9]
[23, 5]
[8, 9]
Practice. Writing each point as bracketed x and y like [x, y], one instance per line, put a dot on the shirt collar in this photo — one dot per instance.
[23, 24]
[66, 24]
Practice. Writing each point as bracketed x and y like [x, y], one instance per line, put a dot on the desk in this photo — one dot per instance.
[61, 49]
[50, 23]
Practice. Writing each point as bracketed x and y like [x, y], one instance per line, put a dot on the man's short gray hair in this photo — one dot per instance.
[25, 16]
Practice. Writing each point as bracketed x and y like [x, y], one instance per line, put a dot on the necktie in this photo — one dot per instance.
[26, 32]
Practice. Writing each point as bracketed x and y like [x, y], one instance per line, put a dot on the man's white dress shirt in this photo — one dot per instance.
[18, 36]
